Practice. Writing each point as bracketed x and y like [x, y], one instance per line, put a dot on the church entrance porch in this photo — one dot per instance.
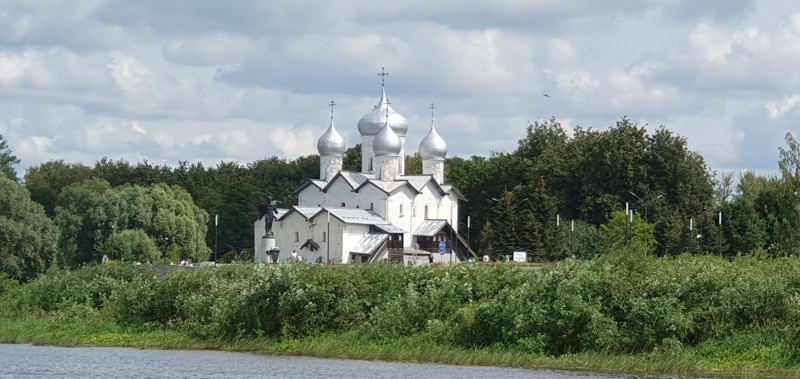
[438, 238]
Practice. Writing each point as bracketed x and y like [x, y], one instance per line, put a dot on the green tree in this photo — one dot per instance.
[623, 232]
[586, 241]
[85, 217]
[7, 160]
[44, 182]
[743, 229]
[27, 237]
[413, 164]
[352, 159]
[130, 245]
[90, 212]
[789, 163]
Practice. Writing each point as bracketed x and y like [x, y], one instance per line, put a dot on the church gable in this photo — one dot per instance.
[432, 189]
[310, 194]
[339, 192]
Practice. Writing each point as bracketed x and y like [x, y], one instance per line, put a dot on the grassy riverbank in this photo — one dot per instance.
[722, 360]
[691, 316]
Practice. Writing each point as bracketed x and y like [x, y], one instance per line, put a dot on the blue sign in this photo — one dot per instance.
[442, 247]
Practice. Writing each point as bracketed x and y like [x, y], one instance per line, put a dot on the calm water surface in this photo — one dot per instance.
[26, 361]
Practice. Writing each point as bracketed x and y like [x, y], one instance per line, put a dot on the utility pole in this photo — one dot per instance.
[216, 223]
[468, 230]
[558, 234]
[328, 239]
[719, 242]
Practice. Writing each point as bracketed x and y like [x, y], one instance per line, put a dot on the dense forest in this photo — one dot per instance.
[556, 195]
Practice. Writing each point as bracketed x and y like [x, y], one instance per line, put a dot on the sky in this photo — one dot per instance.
[213, 81]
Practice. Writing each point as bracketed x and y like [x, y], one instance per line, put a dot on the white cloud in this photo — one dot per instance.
[212, 49]
[294, 143]
[777, 109]
[211, 81]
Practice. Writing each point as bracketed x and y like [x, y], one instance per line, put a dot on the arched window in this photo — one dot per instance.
[426, 211]
[401, 209]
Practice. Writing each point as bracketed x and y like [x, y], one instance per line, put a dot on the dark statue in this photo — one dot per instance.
[269, 209]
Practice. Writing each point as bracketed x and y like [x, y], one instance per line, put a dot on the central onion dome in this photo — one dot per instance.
[432, 146]
[386, 142]
[331, 143]
[372, 123]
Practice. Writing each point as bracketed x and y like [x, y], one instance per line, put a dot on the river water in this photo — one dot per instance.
[26, 361]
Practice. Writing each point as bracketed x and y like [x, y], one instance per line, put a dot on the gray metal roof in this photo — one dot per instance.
[355, 179]
[416, 181]
[429, 228]
[389, 228]
[387, 187]
[281, 212]
[356, 216]
[369, 243]
[307, 212]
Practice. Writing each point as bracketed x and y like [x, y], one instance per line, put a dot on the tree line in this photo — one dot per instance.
[555, 195]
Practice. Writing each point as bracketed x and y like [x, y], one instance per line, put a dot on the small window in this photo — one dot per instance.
[370, 206]
[426, 211]
[296, 236]
[323, 236]
[413, 211]
[343, 205]
[401, 209]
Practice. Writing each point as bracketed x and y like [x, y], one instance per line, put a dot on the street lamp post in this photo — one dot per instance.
[645, 203]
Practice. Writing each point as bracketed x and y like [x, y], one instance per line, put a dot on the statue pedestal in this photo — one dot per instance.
[267, 246]
[268, 252]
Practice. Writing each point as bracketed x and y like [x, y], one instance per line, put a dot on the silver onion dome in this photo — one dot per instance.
[331, 143]
[372, 123]
[386, 142]
[432, 145]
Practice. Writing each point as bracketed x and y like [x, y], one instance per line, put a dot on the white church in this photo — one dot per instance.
[376, 215]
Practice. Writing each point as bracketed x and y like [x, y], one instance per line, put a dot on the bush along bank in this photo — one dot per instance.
[685, 314]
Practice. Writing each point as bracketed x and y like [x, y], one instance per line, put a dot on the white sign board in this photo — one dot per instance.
[520, 256]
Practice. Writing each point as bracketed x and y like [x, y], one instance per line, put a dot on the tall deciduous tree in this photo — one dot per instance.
[45, 181]
[89, 213]
[27, 237]
[7, 160]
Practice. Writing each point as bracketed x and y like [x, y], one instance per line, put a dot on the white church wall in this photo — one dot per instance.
[403, 197]
[340, 192]
[310, 196]
[328, 237]
[351, 236]
[290, 233]
[371, 195]
[337, 241]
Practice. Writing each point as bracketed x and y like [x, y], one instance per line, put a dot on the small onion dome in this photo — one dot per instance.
[432, 146]
[372, 123]
[386, 142]
[331, 143]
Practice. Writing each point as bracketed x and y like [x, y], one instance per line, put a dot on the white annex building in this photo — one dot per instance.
[376, 215]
